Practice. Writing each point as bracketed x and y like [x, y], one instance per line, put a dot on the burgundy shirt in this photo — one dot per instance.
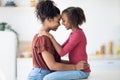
[76, 47]
[39, 44]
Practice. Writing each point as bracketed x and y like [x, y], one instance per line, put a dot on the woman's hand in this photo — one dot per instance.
[81, 65]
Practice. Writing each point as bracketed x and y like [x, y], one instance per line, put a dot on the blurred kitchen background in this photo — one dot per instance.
[18, 24]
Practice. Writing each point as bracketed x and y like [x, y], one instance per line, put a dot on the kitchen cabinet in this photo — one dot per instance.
[24, 66]
[98, 66]
[105, 69]
[104, 62]
[105, 65]
[8, 47]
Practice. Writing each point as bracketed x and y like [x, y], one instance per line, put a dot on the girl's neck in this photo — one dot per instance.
[74, 29]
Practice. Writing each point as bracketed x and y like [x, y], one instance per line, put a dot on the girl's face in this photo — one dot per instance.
[65, 21]
[55, 23]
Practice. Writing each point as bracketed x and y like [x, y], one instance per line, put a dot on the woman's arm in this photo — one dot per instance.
[65, 61]
[53, 65]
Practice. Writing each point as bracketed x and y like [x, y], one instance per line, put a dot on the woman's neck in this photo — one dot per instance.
[45, 28]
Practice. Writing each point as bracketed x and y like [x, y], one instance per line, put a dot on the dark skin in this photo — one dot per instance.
[53, 65]
[52, 24]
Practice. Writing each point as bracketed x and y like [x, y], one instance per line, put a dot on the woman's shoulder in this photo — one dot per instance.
[37, 35]
[43, 37]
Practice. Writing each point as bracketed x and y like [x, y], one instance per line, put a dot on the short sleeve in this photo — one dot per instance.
[41, 44]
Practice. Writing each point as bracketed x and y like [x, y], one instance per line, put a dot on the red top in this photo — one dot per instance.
[76, 47]
[39, 44]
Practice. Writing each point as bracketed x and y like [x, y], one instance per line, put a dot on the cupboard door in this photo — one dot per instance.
[24, 66]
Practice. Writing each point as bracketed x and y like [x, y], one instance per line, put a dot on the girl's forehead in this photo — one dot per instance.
[64, 15]
[59, 16]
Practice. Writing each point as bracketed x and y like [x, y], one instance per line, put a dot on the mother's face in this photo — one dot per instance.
[55, 23]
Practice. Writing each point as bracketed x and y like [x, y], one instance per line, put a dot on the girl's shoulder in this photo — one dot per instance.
[78, 32]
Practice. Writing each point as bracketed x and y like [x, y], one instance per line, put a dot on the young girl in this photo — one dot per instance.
[75, 45]
[45, 57]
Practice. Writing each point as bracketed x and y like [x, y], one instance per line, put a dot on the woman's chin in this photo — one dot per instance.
[54, 29]
[67, 28]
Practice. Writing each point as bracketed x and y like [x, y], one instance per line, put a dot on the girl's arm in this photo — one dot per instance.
[57, 46]
[53, 65]
[68, 46]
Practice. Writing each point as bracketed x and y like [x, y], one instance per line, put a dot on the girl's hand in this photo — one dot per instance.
[81, 65]
[45, 33]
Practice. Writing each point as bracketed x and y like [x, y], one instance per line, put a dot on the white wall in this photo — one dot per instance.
[103, 22]
[102, 26]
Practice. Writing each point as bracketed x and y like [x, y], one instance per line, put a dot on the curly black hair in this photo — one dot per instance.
[46, 9]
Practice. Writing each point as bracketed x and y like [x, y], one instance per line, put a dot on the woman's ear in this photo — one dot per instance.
[49, 19]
